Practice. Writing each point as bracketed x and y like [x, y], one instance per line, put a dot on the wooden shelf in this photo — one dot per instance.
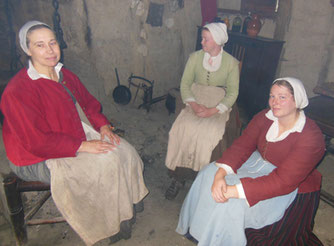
[265, 8]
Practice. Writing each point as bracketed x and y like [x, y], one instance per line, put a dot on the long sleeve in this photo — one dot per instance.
[188, 78]
[91, 106]
[295, 158]
[25, 121]
[227, 76]
[232, 85]
[41, 120]
[296, 166]
[244, 146]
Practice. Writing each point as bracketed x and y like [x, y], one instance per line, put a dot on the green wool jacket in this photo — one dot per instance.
[226, 76]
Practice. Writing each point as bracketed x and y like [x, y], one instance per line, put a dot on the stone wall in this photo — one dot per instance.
[309, 47]
[306, 26]
[103, 34]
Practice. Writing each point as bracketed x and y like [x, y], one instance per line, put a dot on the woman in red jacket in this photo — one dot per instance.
[54, 132]
[268, 175]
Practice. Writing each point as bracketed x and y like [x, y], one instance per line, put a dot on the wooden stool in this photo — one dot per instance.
[12, 188]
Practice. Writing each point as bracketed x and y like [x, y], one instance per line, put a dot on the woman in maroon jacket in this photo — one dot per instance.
[268, 175]
[51, 122]
[41, 118]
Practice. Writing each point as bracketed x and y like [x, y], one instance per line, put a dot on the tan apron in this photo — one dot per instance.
[95, 192]
[191, 138]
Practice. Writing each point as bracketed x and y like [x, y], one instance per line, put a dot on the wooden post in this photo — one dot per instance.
[15, 209]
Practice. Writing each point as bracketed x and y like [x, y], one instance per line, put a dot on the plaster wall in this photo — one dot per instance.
[306, 26]
[102, 35]
[308, 51]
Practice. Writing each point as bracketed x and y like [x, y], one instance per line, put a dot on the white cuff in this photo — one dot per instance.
[239, 186]
[222, 108]
[227, 168]
[190, 99]
[241, 192]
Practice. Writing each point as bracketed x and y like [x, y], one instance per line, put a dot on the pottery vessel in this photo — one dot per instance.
[254, 26]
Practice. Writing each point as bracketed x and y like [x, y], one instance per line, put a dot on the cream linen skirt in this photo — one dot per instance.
[191, 138]
[95, 192]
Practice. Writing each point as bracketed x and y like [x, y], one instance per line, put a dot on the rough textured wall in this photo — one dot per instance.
[308, 51]
[104, 34]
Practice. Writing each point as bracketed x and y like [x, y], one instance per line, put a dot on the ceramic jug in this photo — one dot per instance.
[254, 26]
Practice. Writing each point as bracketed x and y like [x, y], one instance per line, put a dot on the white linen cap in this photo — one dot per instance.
[218, 31]
[298, 91]
[23, 33]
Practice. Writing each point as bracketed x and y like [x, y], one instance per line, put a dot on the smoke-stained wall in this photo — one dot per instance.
[308, 51]
[104, 34]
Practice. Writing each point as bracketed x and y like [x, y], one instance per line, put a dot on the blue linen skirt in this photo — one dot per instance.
[212, 223]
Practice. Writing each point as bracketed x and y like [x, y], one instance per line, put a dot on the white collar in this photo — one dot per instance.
[273, 130]
[216, 61]
[34, 75]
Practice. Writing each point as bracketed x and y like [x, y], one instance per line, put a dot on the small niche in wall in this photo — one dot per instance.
[265, 8]
[234, 5]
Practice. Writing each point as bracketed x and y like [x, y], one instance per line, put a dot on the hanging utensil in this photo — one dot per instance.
[121, 94]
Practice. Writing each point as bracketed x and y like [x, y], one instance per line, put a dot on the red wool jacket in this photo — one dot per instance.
[41, 120]
[295, 157]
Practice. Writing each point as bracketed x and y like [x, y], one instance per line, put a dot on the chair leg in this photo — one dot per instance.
[15, 209]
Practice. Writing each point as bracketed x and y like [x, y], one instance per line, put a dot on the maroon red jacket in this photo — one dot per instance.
[41, 120]
[295, 157]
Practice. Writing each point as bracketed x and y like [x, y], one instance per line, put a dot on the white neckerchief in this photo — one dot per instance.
[216, 61]
[34, 75]
[273, 130]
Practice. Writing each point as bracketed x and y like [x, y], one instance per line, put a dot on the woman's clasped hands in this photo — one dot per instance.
[101, 146]
[202, 111]
[221, 192]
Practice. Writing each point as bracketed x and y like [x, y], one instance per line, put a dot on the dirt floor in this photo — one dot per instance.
[148, 132]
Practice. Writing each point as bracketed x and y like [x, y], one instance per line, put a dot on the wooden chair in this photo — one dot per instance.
[238, 51]
[12, 187]
[321, 110]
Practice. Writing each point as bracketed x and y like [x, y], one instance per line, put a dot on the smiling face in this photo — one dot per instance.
[208, 44]
[282, 102]
[43, 48]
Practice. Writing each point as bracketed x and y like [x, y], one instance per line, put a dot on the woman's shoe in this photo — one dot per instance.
[173, 189]
[124, 233]
[126, 228]
[139, 207]
[190, 238]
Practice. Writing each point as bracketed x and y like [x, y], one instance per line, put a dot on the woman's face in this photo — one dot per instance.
[43, 48]
[208, 44]
[282, 102]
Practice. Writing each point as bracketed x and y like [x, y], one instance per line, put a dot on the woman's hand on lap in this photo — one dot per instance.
[197, 108]
[105, 131]
[219, 186]
[231, 192]
[96, 147]
[207, 112]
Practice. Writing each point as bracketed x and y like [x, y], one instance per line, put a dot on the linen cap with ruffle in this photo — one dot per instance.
[23, 33]
[298, 91]
[218, 31]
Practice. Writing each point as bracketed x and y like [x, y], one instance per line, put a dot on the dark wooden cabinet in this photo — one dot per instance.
[259, 57]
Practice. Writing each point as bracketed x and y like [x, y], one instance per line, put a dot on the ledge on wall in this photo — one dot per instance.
[265, 8]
